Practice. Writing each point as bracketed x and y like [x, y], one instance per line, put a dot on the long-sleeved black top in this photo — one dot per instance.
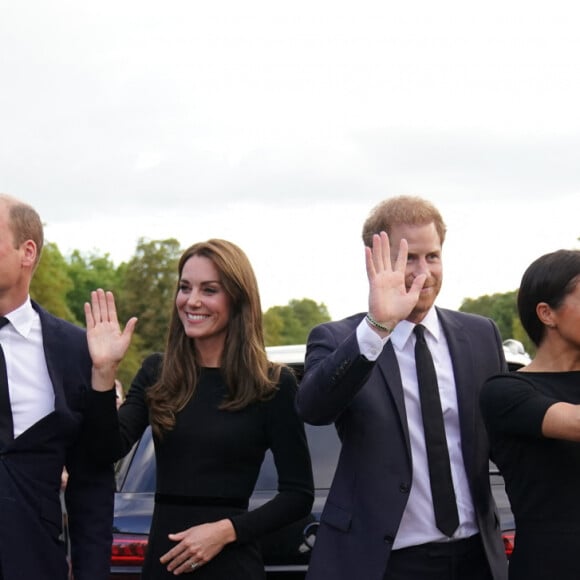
[216, 453]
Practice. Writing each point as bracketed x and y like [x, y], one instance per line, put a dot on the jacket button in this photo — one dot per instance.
[389, 539]
[404, 488]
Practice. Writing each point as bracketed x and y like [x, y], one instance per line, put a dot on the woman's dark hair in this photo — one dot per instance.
[246, 370]
[548, 279]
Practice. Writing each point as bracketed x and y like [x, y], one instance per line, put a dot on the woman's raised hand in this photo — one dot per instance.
[107, 342]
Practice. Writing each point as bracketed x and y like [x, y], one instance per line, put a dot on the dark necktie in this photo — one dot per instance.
[444, 502]
[6, 425]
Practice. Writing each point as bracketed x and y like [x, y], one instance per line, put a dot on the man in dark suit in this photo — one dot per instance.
[48, 420]
[381, 520]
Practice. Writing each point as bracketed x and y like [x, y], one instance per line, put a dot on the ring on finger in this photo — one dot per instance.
[194, 565]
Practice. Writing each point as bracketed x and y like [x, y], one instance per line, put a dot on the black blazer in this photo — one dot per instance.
[31, 467]
[374, 473]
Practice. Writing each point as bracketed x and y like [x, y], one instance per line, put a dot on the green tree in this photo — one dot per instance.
[51, 283]
[89, 272]
[502, 309]
[291, 324]
[132, 361]
[148, 286]
[273, 326]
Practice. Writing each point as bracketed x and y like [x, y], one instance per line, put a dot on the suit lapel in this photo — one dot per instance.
[54, 352]
[389, 367]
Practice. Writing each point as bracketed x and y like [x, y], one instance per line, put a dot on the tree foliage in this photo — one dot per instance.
[51, 284]
[502, 309]
[148, 287]
[499, 307]
[87, 273]
[291, 324]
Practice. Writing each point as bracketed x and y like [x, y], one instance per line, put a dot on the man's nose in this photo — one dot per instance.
[421, 267]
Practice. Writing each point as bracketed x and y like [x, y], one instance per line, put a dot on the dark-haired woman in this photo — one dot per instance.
[215, 405]
[533, 420]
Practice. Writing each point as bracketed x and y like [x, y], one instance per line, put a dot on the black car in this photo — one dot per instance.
[286, 552]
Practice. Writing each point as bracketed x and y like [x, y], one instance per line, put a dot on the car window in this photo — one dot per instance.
[136, 472]
[324, 449]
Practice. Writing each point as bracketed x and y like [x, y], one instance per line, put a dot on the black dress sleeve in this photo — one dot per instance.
[292, 459]
[134, 412]
[512, 405]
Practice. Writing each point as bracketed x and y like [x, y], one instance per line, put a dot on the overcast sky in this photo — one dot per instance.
[279, 125]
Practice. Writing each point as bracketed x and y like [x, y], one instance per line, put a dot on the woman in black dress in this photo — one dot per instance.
[533, 420]
[215, 405]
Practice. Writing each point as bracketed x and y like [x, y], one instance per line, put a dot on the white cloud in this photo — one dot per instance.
[281, 125]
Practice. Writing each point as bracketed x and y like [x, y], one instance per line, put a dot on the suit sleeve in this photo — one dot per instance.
[90, 489]
[335, 371]
[89, 500]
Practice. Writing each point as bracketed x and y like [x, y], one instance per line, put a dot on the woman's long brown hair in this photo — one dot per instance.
[247, 372]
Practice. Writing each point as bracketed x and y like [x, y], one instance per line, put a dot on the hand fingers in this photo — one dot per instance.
[369, 263]
[111, 308]
[130, 327]
[417, 284]
[89, 320]
[381, 252]
[401, 263]
[173, 554]
[188, 566]
[102, 307]
[98, 306]
[182, 564]
[378, 258]
[180, 561]
[106, 301]
[385, 248]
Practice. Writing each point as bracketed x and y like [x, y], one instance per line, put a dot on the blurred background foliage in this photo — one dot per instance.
[502, 308]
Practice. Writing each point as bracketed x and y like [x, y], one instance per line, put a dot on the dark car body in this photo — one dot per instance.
[286, 553]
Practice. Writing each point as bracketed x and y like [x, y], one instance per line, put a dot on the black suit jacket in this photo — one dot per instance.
[31, 467]
[374, 472]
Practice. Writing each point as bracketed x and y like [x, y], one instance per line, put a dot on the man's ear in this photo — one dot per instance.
[29, 253]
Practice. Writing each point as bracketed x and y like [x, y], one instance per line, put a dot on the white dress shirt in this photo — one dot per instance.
[418, 522]
[29, 385]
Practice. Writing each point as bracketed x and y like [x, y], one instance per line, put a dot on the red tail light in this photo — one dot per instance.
[509, 542]
[128, 550]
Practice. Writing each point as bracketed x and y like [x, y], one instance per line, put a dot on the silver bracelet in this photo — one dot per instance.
[377, 324]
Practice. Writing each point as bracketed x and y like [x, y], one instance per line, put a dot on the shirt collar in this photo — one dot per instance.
[404, 329]
[23, 318]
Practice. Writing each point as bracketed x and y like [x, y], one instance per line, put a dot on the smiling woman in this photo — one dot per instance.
[204, 308]
[216, 405]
